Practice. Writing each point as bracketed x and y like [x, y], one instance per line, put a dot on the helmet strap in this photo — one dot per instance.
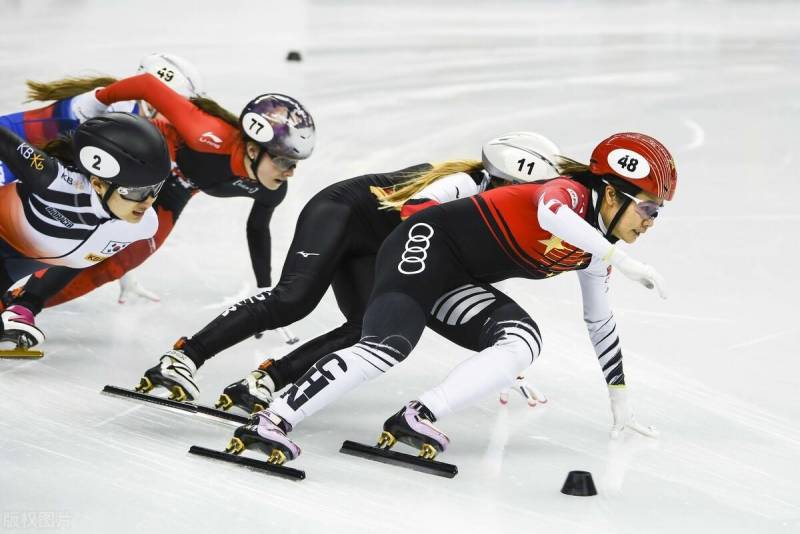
[616, 219]
[255, 162]
[106, 196]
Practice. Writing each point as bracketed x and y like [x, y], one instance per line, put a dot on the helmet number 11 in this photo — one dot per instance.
[530, 165]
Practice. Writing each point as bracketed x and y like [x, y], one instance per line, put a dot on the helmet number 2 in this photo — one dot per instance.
[628, 162]
[530, 165]
[96, 161]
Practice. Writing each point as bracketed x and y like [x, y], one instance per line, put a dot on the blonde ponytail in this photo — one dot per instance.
[64, 88]
[420, 180]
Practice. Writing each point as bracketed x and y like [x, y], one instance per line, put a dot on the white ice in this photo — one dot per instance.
[395, 83]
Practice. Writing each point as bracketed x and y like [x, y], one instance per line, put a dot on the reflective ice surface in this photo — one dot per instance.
[390, 84]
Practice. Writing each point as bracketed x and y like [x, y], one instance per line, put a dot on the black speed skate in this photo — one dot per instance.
[252, 394]
[412, 425]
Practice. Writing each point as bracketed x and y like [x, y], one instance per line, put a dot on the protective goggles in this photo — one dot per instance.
[283, 163]
[647, 209]
[140, 194]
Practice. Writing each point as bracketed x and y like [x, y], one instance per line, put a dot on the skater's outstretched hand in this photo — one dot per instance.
[532, 395]
[622, 412]
[130, 286]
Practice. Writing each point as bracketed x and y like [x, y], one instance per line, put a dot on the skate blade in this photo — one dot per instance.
[235, 446]
[386, 440]
[145, 385]
[400, 459]
[21, 354]
[178, 394]
[224, 402]
[273, 469]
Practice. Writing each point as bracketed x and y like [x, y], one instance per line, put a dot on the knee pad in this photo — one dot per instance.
[520, 337]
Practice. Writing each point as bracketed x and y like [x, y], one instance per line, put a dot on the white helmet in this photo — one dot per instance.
[175, 72]
[521, 157]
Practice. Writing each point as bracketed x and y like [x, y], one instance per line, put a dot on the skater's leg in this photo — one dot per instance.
[352, 285]
[394, 320]
[508, 341]
[320, 241]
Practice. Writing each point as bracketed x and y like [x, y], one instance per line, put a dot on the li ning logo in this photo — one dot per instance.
[413, 258]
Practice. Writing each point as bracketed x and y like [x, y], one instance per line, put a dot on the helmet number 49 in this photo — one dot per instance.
[165, 74]
[530, 165]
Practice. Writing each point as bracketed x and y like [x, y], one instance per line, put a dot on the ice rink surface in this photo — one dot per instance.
[394, 83]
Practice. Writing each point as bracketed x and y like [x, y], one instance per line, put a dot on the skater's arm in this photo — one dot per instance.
[31, 166]
[557, 206]
[199, 130]
[445, 189]
[600, 321]
[259, 241]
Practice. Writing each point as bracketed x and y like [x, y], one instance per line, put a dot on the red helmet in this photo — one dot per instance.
[639, 160]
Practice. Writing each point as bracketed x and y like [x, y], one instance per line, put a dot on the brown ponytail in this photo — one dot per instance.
[61, 148]
[211, 107]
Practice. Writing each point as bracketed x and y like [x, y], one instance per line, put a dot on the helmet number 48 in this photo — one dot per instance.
[628, 162]
[530, 165]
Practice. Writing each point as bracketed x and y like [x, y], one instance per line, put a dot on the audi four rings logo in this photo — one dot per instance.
[419, 240]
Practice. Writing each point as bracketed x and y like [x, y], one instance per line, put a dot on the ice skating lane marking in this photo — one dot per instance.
[698, 135]
[117, 416]
[761, 339]
[623, 311]
[764, 217]
[31, 445]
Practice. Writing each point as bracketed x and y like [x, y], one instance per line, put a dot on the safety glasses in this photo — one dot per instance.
[283, 163]
[647, 209]
[140, 194]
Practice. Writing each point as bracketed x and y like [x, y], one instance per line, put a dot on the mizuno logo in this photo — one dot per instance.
[307, 254]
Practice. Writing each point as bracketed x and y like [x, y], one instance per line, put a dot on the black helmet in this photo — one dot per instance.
[280, 125]
[122, 149]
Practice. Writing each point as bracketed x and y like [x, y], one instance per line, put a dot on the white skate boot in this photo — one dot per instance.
[175, 371]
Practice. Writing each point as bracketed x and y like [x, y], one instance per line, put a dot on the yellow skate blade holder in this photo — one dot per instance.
[145, 385]
[21, 354]
[224, 402]
[235, 446]
[178, 394]
[276, 457]
[427, 451]
[386, 440]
